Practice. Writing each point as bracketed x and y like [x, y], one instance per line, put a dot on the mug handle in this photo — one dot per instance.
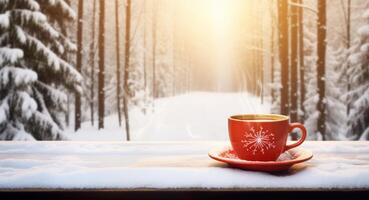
[303, 136]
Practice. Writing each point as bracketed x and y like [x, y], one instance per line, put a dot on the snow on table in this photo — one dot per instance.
[171, 165]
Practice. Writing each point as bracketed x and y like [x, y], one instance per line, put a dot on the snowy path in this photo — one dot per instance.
[118, 165]
[193, 116]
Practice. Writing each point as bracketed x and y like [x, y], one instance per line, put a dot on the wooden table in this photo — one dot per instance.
[171, 167]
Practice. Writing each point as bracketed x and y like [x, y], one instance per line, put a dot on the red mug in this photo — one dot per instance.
[262, 137]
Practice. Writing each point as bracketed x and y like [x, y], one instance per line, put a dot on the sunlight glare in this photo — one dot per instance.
[219, 9]
[221, 22]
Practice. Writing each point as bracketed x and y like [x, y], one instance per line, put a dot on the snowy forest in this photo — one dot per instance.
[133, 70]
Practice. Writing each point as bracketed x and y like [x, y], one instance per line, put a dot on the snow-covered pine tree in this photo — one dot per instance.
[275, 83]
[342, 65]
[358, 97]
[137, 92]
[33, 73]
[310, 76]
[163, 72]
[276, 87]
[335, 108]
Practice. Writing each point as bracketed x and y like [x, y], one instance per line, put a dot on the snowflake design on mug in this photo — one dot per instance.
[258, 140]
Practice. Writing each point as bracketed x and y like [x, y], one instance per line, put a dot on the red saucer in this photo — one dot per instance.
[284, 162]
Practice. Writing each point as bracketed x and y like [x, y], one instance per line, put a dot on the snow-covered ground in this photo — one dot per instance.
[193, 116]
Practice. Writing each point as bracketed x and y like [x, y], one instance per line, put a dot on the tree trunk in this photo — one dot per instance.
[254, 64]
[321, 47]
[64, 30]
[272, 66]
[294, 61]
[117, 50]
[283, 53]
[144, 45]
[188, 73]
[302, 64]
[348, 44]
[144, 52]
[126, 67]
[174, 72]
[174, 54]
[154, 89]
[272, 50]
[101, 74]
[77, 107]
[261, 69]
[92, 64]
[67, 114]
